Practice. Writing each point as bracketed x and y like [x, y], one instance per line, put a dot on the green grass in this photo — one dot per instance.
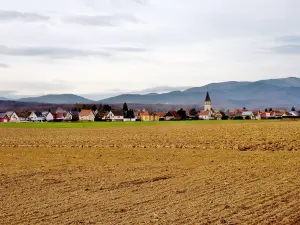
[121, 124]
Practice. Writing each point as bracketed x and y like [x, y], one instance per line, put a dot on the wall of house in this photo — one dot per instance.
[49, 117]
[169, 118]
[14, 118]
[3, 120]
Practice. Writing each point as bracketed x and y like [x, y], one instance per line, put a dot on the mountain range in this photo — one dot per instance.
[284, 92]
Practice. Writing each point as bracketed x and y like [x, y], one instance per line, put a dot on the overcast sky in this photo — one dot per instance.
[93, 47]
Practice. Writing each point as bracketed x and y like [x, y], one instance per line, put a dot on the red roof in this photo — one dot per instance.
[85, 112]
[263, 114]
[204, 113]
[173, 113]
[58, 116]
[160, 114]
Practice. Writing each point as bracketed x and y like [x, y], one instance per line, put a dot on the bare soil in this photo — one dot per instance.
[151, 175]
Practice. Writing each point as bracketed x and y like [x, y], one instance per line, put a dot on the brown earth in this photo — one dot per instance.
[240, 136]
[142, 175]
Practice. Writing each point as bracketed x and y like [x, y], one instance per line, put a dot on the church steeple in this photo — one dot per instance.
[207, 99]
[207, 103]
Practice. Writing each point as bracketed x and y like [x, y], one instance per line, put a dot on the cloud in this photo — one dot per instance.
[37, 87]
[4, 65]
[25, 17]
[101, 20]
[287, 44]
[289, 39]
[59, 52]
[291, 49]
[52, 52]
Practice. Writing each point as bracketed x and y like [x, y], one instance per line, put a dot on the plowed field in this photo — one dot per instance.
[164, 174]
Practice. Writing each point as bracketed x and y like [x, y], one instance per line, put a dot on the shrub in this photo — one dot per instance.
[238, 118]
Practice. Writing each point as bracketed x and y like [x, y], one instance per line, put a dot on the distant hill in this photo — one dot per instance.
[57, 99]
[217, 86]
[2, 98]
[283, 92]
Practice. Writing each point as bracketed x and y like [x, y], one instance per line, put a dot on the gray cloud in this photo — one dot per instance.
[291, 49]
[26, 17]
[58, 52]
[289, 39]
[39, 87]
[52, 52]
[101, 20]
[287, 44]
[4, 65]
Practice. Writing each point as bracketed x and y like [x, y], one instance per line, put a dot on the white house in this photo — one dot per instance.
[248, 114]
[23, 116]
[294, 113]
[86, 115]
[114, 116]
[36, 117]
[49, 117]
[68, 116]
[205, 115]
[13, 117]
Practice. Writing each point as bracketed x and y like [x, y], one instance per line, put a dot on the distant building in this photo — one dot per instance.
[207, 103]
[86, 115]
[208, 112]
[4, 118]
[13, 117]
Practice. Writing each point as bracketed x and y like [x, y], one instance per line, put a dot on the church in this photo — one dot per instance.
[208, 112]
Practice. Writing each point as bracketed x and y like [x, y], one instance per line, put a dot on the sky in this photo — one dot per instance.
[102, 48]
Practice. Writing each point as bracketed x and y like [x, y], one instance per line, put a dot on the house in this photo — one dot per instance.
[59, 110]
[263, 115]
[278, 114]
[75, 115]
[114, 116]
[294, 113]
[13, 117]
[218, 115]
[172, 115]
[248, 115]
[67, 116]
[4, 118]
[205, 115]
[100, 116]
[147, 116]
[36, 117]
[86, 115]
[58, 116]
[161, 115]
[23, 116]
[48, 116]
[257, 115]
[137, 114]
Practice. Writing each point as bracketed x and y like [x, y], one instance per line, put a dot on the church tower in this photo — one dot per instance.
[207, 103]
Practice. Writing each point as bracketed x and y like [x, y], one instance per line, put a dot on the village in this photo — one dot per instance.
[107, 114]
